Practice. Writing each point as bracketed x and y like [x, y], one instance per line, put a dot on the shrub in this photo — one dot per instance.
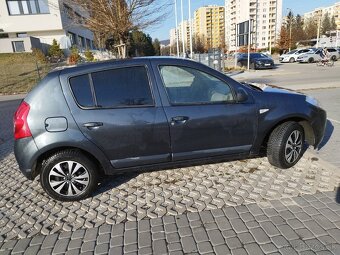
[39, 55]
[89, 56]
[74, 57]
[54, 51]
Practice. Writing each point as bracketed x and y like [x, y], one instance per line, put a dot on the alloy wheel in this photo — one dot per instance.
[293, 146]
[69, 178]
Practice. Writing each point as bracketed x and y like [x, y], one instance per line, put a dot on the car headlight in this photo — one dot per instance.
[313, 101]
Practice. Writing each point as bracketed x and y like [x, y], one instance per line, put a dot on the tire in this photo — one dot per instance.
[285, 145]
[291, 60]
[310, 60]
[57, 181]
[333, 58]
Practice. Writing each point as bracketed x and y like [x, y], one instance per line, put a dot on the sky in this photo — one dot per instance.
[298, 7]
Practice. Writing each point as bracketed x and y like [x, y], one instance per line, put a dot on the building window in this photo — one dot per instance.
[18, 46]
[73, 38]
[21, 35]
[27, 7]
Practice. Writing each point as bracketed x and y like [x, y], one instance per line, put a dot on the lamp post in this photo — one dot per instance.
[182, 16]
[176, 29]
[190, 27]
[290, 28]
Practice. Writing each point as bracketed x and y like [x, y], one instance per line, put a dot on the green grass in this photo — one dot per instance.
[19, 72]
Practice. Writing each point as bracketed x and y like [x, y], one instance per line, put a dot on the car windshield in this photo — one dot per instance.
[291, 52]
[258, 55]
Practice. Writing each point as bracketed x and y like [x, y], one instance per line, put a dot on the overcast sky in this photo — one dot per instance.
[298, 6]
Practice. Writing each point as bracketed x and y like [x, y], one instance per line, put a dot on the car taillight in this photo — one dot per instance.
[21, 128]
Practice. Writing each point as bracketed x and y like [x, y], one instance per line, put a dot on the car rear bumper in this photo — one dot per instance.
[319, 122]
[25, 150]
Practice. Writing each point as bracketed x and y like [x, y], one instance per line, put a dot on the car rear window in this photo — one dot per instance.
[122, 87]
[82, 91]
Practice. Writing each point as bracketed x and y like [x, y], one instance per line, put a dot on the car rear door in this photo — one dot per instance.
[119, 110]
[204, 118]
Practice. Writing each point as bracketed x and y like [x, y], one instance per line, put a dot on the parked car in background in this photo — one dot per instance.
[311, 57]
[334, 54]
[257, 61]
[112, 117]
[293, 55]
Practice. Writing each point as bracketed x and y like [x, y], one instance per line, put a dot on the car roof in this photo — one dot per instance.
[84, 67]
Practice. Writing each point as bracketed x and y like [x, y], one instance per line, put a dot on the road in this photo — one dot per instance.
[7, 109]
[296, 76]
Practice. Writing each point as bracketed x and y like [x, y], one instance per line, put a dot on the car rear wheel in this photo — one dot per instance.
[311, 60]
[68, 176]
[285, 145]
[291, 60]
[333, 58]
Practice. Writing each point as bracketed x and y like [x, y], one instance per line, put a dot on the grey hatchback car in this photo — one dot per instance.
[92, 120]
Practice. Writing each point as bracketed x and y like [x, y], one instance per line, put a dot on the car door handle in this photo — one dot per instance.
[179, 120]
[93, 125]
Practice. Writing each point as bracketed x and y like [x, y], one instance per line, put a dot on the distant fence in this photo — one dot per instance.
[215, 58]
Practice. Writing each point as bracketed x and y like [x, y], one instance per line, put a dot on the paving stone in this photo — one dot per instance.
[204, 247]
[259, 235]
[175, 247]
[323, 222]
[61, 246]
[173, 238]
[21, 245]
[91, 234]
[130, 237]
[287, 232]
[117, 230]
[269, 228]
[239, 251]
[49, 241]
[246, 238]
[223, 223]
[287, 251]
[130, 225]
[247, 217]
[221, 249]
[185, 231]
[105, 229]
[233, 243]
[315, 245]
[279, 241]
[189, 244]
[253, 249]
[304, 233]
[88, 246]
[117, 241]
[47, 251]
[295, 224]
[37, 240]
[102, 249]
[145, 251]
[182, 221]
[144, 225]
[230, 212]
[215, 237]
[228, 233]
[32, 250]
[335, 233]
[78, 234]
[116, 250]
[200, 235]
[315, 228]
[238, 225]
[75, 244]
[268, 248]
[144, 239]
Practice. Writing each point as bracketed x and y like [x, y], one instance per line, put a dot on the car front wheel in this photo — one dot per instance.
[68, 176]
[285, 145]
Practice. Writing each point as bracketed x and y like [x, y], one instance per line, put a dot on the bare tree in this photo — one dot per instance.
[116, 18]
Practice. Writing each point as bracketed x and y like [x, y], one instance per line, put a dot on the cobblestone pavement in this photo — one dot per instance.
[235, 206]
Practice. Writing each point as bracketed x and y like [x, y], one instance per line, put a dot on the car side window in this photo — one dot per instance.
[190, 86]
[81, 89]
[121, 87]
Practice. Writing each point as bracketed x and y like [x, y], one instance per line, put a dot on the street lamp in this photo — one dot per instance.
[290, 28]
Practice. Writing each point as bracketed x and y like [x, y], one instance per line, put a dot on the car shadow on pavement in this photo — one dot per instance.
[328, 133]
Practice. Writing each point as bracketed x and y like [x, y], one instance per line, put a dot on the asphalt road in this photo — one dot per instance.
[7, 109]
[296, 76]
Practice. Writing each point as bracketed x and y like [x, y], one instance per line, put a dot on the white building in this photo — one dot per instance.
[266, 16]
[318, 13]
[185, 26]
[23, 23]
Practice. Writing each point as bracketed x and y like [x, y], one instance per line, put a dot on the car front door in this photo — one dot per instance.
[118, 109]
[204, 118]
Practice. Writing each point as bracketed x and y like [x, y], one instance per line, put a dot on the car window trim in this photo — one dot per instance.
[196, 104]
[96, 107]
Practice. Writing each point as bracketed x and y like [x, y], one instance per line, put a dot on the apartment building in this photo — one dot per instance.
[266, 20]
[318, 13]
[26, 24]
[209, 24]
[185, 27]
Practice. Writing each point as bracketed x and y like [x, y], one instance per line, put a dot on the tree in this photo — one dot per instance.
[157, 47]
[283, 42]
[326, 24]
[198, 44]
[117, 18]
[298, 33]
[140, 44]
[54, 51]
[311, 29]
[333, 23]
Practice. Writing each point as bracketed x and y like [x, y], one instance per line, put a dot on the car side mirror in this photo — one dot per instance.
[241, 95]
